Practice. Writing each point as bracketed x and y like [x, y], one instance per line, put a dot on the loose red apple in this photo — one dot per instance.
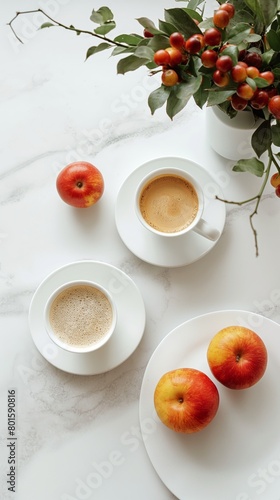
[237, 357]
[80, 184]
[186, 400]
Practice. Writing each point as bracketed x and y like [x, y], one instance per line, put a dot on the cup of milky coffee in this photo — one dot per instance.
[80, 316]
[170, 202]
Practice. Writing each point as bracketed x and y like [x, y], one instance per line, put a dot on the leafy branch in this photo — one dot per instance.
[103, 17]
[256, 167]
[254, 29]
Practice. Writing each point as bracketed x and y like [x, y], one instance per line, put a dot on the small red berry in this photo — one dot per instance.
[238, 103]
[275, 180]
[224, 63]
[212, 37]
[177, 40]
[147, 33]
[274, 106]
[161, 57]
[209, 58]
[221, 18]
[229, 8]
[169, 78]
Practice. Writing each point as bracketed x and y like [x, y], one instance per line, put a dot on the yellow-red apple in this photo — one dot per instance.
[80, 184]
[186, 400]
[237, 357]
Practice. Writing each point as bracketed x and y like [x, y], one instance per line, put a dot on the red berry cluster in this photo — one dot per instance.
[253, 87]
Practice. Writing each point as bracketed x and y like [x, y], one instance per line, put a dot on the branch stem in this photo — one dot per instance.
[257, 197]
[61, 25]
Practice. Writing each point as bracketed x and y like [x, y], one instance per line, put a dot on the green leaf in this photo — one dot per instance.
[252, 38]
[97, 48]
[273, 39]
[105, 28]
[74, 29]
[276, 72]
[102, 15]
[264, 10]
[261, 138]
[233, 52]
[218, 97]
[251, 165]
[275, 133]
[182, 21]
[193, 14]
[181, 94]
[128, 39]
[267, 56]
[227, 108]
[174, 105]
[130, 63]
[201, 95]
[147, 23]
[105, 18]
[260, 82]
[187, 88]
[193, 4]
[166, 27]
[159, 42]
[238, 33]
[46, 25]
[122, 50]
[158, 97]
[145, 52]
[252, 82]
[193, 67]
[207, 23]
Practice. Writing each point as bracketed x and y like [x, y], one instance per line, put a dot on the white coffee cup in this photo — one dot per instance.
[80, 316]
[169, 202]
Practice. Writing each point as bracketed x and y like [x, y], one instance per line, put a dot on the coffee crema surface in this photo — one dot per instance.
[169, 203]
[80, 315]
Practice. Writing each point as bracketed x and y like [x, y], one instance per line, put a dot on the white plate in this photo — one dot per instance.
[130, 324]
[237, 457]
[151, 248]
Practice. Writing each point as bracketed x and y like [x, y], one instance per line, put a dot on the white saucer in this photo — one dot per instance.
[226, 460]
[151, 248]
[130, 323]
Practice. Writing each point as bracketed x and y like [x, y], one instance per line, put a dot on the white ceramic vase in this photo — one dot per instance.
[231, 137]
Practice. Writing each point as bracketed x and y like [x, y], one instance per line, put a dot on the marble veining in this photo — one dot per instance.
[55, 109]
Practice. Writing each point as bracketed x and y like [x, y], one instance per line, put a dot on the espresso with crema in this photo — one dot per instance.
[169, 203]
[80, 316]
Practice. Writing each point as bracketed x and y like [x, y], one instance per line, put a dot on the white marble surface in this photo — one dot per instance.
[56, 108]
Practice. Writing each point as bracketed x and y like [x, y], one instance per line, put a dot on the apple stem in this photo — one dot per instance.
[79, 184]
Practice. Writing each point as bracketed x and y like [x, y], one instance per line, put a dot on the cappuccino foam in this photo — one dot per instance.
[169, 203]
[80, 315]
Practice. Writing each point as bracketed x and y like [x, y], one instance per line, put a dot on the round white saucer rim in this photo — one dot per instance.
[147, 246]
[128, 332]
[204, 454]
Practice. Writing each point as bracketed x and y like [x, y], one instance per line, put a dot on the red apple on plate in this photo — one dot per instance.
[237, 357]
[80, 184]
[186, 400]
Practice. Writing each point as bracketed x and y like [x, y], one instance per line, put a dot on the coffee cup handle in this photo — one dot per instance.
[204, 229]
